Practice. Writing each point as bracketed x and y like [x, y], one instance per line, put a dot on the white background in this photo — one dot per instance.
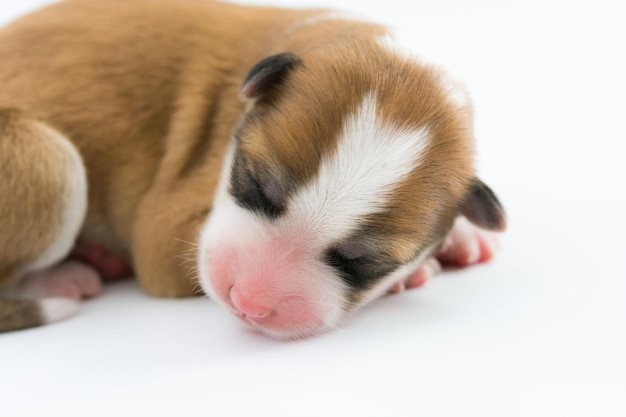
[540, 331]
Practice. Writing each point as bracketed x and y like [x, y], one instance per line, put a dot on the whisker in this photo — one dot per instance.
[194, 244]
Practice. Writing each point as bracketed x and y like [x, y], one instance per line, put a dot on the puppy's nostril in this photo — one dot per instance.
[248, 306]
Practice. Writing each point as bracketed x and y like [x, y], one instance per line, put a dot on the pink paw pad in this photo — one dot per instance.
[73, 280]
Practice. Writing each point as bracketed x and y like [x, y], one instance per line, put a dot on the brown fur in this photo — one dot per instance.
[19, 314]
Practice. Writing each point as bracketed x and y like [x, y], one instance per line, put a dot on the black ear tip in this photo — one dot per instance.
[267, 74]
[482, 207]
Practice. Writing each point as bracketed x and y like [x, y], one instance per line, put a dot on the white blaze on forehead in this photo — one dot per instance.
[411, 49]
[357, 179]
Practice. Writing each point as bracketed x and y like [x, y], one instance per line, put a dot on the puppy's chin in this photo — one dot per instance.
[301, 331]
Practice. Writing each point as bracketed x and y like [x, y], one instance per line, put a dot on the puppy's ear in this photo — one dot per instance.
[481, 207]
[268, 74]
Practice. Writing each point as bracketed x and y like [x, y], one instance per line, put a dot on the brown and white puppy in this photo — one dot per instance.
[310, 161]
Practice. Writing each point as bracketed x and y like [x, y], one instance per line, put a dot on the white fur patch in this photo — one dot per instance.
[55, 309]
[356, 180]
[414, 50]
[75, 204]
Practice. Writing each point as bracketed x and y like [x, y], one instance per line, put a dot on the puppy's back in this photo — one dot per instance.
[115, 75]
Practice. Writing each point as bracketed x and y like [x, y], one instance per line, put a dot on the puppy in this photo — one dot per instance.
[305, 161]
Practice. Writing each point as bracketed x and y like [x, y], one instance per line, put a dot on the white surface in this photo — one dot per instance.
[538, 332]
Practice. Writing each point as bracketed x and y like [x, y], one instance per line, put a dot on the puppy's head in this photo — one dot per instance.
[345, 173]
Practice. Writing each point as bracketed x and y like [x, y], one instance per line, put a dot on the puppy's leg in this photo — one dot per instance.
[44, 200]
[465, 245]
[164, 248]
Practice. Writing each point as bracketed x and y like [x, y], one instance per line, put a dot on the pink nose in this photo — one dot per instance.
[247, 306]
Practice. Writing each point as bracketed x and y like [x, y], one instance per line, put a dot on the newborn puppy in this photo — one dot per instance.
[307, 160]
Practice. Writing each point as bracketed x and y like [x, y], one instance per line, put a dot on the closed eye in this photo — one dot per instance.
[359, 272]
[253, 194]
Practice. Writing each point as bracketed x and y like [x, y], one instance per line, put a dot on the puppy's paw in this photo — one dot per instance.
[419, 278]
[72, 280]
[110, 266]
[467, 244]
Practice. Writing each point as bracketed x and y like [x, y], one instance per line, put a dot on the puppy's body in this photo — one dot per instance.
[120, 79]
[148, 93]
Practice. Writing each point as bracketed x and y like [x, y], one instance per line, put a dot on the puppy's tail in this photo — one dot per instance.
[22, 314]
